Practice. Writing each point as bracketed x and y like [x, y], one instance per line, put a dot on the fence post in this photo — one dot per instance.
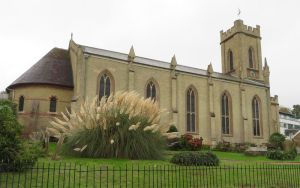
[74, 176]
[30, 176]
[69, 179]
[120, 176]
[132, 175]
[138, 172]
[126, 176]
[94, 176]
[144, 175]
[43, 174]
[100, 176]
[79, 175]
[19, 174]
[113, 176]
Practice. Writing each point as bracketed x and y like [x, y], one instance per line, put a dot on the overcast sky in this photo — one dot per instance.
[157, 29]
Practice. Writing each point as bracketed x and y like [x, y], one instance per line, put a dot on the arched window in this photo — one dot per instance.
[21, 103]
[151, 91]
[53, 102]
[226, 114]
[105, 85]
[191, 110]
[256, 117]
[230, 59]
[250, 56]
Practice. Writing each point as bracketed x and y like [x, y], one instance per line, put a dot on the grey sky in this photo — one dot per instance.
[157, 29]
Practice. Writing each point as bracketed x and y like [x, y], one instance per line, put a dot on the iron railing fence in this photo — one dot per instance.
[74, 175]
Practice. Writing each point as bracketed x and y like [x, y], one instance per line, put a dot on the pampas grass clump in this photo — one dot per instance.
[123, 125]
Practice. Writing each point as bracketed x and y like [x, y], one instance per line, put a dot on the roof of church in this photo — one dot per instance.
[53, 69]
[163, 64]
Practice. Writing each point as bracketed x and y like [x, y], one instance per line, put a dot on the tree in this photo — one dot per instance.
[10, 130]
[14, 153]
[296, 110]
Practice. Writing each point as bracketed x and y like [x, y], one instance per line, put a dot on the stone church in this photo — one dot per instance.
[234, 105]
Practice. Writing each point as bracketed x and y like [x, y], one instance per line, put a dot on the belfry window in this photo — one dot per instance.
[256, 117]
[151, 91]
[105, 86]
[21, 103]
[230, 57]
[53, 102]
[191, 110]
[250, 56]
[226, 114]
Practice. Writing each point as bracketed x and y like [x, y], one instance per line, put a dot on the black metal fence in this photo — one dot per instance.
[74, 175]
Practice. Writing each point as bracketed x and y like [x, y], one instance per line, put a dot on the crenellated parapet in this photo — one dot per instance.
[239, 27]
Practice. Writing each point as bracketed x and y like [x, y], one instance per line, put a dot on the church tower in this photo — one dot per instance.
[241, 51]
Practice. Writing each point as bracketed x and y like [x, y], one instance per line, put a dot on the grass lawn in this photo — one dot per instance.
[235, 170]
[225, 158]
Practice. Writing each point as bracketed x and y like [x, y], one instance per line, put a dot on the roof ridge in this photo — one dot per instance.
[163, 64]
[166, 62]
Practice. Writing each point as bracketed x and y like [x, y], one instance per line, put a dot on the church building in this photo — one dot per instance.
[234, 105]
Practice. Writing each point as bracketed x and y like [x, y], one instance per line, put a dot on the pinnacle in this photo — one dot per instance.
[131, 54]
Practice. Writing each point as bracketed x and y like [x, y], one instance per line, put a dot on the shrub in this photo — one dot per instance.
[233, 147]
[187, 143]
[206, 147]
[11, 105]
[291, 155]
[281, 155]
[223, 146]
[172, 129]
[10, 130]
[195, 158]
[276, 141]
[14, 153]
[123, 126]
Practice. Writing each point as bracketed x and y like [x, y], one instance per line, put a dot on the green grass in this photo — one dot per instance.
[97, 161]
[225, 158]
[235, 170]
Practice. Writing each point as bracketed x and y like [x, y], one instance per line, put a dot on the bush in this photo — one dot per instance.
[172, 129]
[281, 155]
[223, 146]
[11, 105]
[123, 126]
[187, 143]
[233, 147]
[14, 152]
[206, 147]
[195, 158]
[10, 130]
[276, 141]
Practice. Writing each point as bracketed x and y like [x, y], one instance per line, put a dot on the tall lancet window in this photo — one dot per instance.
[250, 56]
[53, 102]
[21, 103]
[226, 114]
[230, 58]
[256, 117]
[105, 86]
[191, 110]
[151, 91]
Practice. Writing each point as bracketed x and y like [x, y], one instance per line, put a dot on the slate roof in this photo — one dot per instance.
[53, 69]
[165, 65]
